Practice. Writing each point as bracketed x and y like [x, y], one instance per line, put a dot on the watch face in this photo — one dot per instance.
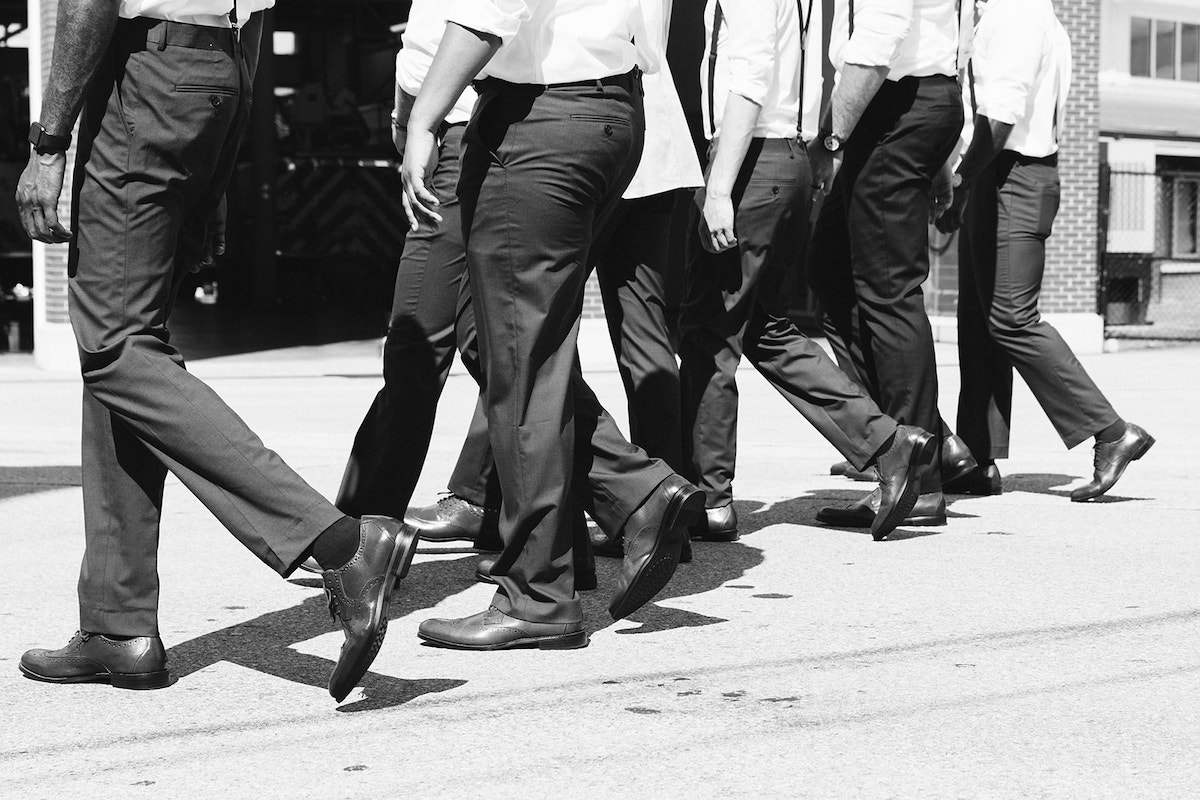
[833, 143]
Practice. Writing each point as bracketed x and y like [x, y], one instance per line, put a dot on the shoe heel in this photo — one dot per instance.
[159, 679]
[1145, 448]
[689, 509]
[568, 641]
[407, 538]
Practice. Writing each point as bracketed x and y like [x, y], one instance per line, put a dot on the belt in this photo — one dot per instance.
[142, 33]
[1024, 160]
[629, 81]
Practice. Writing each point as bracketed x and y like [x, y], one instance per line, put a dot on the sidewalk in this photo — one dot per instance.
[1031, 647]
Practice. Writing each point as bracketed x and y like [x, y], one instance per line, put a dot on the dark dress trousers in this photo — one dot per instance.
[432, 316]
[733, 306]
[870, 248]
[1001, 259]
[540, 166]
[159, 133]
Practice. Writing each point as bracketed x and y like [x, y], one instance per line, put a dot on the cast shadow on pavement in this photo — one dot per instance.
[1051, 484]
[17, 481]
[265, 643]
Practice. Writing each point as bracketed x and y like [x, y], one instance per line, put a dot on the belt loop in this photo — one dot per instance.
[162, 43]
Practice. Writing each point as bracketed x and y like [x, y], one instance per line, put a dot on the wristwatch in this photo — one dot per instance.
[45, 142]
[832, 142]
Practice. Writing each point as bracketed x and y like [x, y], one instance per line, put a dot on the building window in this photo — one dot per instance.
[1164, 49]
[1139, 48]
[1183, 229]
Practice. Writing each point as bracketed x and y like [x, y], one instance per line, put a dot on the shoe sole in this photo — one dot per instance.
[564, 641]
[684, 510]
[158, 679]
[1141, 451]
[909, 493]
[399, 562]
[923, 521]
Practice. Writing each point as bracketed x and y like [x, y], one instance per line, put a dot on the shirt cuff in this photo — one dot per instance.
[500, 18]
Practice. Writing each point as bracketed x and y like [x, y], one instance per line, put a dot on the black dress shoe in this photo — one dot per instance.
[453, 519]
[585, 579]
[913, 451]
[1111, 459]
[982, 481]
[495, 630]
[930, 509]
[718, 524]
[358, 595]
[957, 460]
[139, 663]
[654, 536]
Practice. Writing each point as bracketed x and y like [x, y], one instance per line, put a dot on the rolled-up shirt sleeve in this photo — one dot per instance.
[1006, 64]
[500, 18]
[880, 26]
[751, 50]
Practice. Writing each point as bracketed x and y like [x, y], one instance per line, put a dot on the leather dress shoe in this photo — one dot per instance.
[138, 663]
[1111, 459]
[930, 509]
[605, 546]
[454, 519]
[495, 630]
[912, 452]
[358, 595]
[585, 579]
[982, 481]
[956, 461]
[654, 537]
[718, 524]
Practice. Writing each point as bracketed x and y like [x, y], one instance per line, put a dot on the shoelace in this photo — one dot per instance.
[334, 607]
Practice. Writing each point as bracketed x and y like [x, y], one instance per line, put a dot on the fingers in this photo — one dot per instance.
[419, 203]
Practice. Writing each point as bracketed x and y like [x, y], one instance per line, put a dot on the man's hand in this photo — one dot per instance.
[716, 224]
[38, 191]
[419, 202]
[825, 166]
[941, 193]
[952, 218]
[214, 237]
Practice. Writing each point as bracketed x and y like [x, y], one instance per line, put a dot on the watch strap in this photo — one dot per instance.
[45, 142]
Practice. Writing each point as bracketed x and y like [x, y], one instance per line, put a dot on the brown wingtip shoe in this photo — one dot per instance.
[654, 536]
[454, 519]
[139, 663]
[358, 595]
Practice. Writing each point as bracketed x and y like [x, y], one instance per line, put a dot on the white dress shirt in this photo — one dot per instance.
[1022, 67]
[758, 57]
[559, 41]
[422, 35]
[668, 159]
[911, 37]
[213, 13]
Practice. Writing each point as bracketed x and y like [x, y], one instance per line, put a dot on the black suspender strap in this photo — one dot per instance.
[805, 19]
[851, 33]
[718, 17]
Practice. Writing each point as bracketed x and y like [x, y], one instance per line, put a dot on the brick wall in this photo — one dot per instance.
[1072, 267]
[54, 290]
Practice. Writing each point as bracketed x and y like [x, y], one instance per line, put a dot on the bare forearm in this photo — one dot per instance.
[83, 31]
[856, 88]
[987, 142]
[737, 129]
[460, 56]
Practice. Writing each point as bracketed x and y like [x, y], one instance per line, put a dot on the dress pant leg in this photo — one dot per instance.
[391, 444]
[1027, 198]
[909, 130]
[985, 372]
[631, 258]
[772, 217]
[152, 165]
[539, 167]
